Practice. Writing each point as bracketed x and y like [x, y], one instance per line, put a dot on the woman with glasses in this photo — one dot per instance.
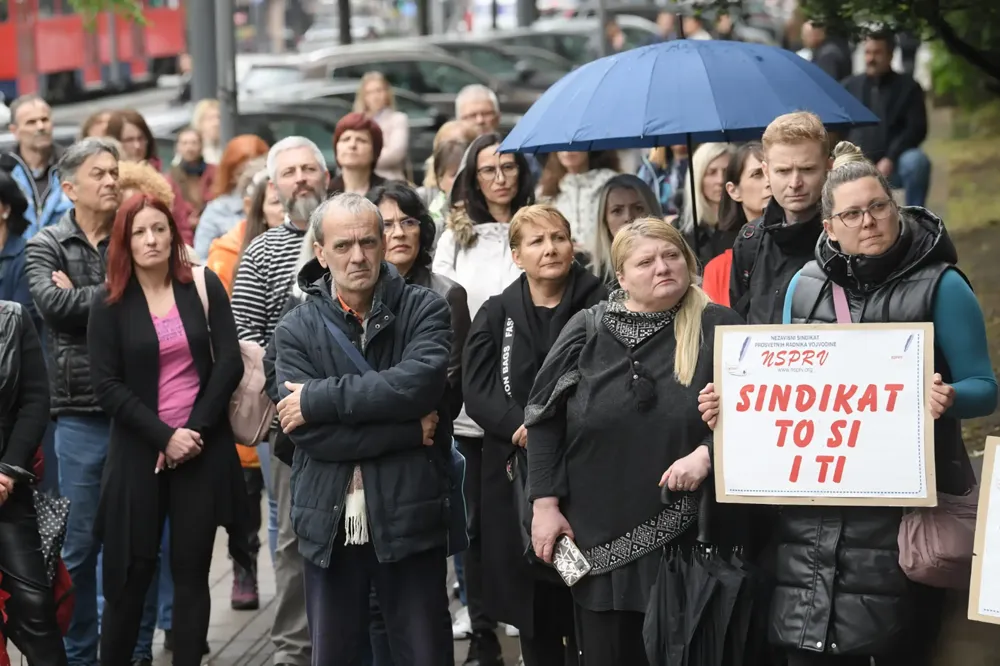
[842, 598]
[473, 252]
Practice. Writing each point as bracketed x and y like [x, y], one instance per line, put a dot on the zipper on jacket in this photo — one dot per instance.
[339, 510]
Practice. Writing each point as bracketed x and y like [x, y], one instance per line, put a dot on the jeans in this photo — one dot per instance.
[264, 453]
[159, 606]
[290, 629]
[459, 563]
[913, 173]
[81, 447]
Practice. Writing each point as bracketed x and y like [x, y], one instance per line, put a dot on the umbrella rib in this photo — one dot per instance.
[593, 92]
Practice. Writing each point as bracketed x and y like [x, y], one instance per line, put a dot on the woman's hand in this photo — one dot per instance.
[708, 405]
[6, 488]
[520, 437]
[942, 396]
[686, 474]
[184, 444]
[547, 525]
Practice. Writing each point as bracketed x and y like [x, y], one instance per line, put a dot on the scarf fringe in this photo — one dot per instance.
[356, 518]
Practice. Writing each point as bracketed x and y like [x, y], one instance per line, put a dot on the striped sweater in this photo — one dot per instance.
[263, 282]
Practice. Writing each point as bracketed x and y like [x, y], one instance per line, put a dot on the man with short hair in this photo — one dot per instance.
[772, 249]
[65, 268]
[32, 163]
[264, 279]
[478, 105]
[362, 368]
[898, 101]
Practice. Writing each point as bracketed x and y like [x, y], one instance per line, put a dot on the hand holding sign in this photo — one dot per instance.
[708, 405]
[942, 396]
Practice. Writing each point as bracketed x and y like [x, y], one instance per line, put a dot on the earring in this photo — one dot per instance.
[5, 215]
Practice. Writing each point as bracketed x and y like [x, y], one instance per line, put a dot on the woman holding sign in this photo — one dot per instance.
[842, 597]
[613, 415]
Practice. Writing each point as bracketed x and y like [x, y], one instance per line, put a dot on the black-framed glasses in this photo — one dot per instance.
[406, 224]
[509, 169]
[877, 210]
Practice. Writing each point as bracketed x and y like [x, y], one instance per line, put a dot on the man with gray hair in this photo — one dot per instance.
[362, 368]
[477, 104]
[261, 289]
[65, 269]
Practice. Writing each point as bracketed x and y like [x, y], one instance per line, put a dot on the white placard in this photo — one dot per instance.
[984, 600]
[827, 414]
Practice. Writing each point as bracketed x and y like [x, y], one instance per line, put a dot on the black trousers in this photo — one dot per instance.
[610, 638]
[381, 650]
[31, 613]
[472, 559]
[549, 644]
[192, 538]
[411, 595]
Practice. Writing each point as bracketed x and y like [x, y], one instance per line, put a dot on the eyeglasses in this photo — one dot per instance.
[877, 210]
[406, 224]
[510, 170]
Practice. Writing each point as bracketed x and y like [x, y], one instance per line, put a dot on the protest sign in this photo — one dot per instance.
[984, 597]
[825, 414]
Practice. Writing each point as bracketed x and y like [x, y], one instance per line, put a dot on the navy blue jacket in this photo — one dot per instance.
[371, 420]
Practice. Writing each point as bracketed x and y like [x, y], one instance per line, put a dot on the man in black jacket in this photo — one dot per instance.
[362, 368]
[65, 267]
[898, 101]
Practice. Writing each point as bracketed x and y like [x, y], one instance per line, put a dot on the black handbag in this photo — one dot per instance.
[53, 515]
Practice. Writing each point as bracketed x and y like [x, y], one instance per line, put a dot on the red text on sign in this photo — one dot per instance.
[845, 398]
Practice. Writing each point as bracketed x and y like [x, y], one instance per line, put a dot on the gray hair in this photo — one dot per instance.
[80, 152]
[475, 91]
[25, 100]
[849, 165]
[290, 143]
[355, 204]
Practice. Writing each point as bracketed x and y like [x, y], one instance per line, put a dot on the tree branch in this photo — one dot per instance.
[961, 48]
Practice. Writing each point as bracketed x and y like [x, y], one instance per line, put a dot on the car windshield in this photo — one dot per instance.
[261, 78]
[492, 61]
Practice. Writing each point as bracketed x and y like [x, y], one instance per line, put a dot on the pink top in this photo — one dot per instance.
[179, 382]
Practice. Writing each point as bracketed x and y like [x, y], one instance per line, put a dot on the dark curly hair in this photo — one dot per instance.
[412, 206]
[11, 195]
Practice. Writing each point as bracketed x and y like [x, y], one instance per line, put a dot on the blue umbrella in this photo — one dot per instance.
[679, 92]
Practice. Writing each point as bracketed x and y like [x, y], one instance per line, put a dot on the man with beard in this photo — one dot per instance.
[32, 164]
[263, 280]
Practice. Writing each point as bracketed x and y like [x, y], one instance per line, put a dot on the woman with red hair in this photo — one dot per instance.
[225, 210]
[164, 372]
[357, 143]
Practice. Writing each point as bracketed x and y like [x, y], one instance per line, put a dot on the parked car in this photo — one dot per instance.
[430, 73]
[573, 39]
[502, 62]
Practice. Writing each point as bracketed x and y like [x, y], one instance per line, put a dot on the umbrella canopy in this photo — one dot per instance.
[680, 91]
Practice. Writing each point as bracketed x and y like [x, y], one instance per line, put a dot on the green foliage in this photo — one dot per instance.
[955, 79]
[127, 9]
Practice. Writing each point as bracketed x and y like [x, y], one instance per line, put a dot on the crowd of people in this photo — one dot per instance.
[518, 349]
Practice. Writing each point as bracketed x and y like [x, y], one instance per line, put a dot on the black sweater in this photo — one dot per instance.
[591, 447]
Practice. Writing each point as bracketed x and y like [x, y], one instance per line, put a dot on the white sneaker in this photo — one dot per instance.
[511, 630]
[461, 627]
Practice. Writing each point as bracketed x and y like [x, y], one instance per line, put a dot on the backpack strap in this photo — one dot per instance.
[750, 241]
[199, 284]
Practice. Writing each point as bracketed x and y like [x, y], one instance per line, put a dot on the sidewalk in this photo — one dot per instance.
[242, 638]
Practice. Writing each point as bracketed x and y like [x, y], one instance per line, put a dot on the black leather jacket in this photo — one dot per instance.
[64, 247]
[24, 392]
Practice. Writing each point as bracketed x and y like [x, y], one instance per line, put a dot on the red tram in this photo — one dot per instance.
[45, 49]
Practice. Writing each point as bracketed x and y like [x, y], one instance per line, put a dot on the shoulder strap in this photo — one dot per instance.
[752, 240]
[199, 283]
[352, 352]
[840, 304]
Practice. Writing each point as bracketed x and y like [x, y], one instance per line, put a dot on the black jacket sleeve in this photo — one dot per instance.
[458, 302]
[486, 402]
[911, 129]
[334, 442]
[414, 386]
[62, 309]
[106, 347]
[737, 290]
[212, 404]
[31, 411]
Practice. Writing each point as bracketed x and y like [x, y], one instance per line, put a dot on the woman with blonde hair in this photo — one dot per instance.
[708, 164]
[619, 391]
[623, 199]
[207, 119]
[375, 100]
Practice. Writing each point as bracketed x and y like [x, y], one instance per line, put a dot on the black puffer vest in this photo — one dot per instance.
[840, 589]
